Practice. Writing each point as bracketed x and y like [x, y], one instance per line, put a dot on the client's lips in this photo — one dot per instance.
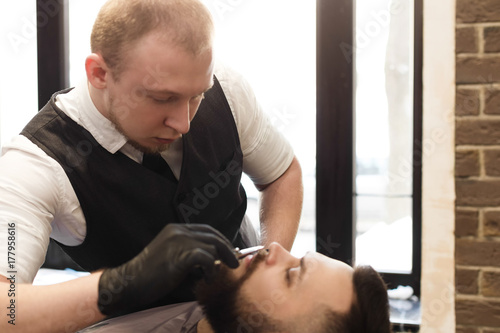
[248, 260]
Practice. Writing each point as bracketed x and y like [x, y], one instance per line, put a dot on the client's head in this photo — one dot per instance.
[276, 292]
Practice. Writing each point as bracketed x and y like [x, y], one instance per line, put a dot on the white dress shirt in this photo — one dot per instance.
[37, 196]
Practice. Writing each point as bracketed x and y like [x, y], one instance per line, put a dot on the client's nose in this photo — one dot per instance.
[279, 255]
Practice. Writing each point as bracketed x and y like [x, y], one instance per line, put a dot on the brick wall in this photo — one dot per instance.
[477, 168]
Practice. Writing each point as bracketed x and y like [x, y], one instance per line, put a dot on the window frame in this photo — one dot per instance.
[53, 76]
[53, 49]
[335, 176]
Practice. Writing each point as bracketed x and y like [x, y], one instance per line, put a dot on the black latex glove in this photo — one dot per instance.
[158, 269]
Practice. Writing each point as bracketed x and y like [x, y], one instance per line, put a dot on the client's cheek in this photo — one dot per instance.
[278, 296]
[240, 271]
[268, 300]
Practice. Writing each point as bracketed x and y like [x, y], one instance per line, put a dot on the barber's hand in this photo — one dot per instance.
[156, 271]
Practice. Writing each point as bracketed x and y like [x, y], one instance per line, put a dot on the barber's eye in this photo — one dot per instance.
[162, 100]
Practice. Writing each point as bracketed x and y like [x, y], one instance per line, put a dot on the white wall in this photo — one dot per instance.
[438, 195]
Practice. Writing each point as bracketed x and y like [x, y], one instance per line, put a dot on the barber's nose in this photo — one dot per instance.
[279, 255]
[179, 119]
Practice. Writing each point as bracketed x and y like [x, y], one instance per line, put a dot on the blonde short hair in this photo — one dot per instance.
[121, 23]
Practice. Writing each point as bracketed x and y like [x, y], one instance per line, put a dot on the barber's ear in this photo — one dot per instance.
[97, 71]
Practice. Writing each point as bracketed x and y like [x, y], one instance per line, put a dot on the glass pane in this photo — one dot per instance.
[81, 18]
[18, 83]
[275, 50]
[384, 122]
[387, 246]
[276, 55]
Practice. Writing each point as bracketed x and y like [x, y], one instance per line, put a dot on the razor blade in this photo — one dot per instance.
[248, 251]
[240, 254]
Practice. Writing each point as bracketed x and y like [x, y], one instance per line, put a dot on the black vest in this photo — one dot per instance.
[126, 205]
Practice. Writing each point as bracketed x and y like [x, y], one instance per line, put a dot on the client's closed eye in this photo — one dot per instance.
[292, 274]
[288, 278]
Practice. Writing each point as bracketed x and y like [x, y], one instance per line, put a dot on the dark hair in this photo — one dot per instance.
[369, 312]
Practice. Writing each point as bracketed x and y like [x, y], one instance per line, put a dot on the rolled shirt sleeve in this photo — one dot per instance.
[30, 197]
[266, 152]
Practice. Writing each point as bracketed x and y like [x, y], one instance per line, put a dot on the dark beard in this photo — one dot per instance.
[221, 299]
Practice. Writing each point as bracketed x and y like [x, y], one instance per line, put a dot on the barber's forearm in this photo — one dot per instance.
[63, 307]
[281, 207]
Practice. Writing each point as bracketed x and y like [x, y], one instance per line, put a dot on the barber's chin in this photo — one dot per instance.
[162, 148]
[155, 148]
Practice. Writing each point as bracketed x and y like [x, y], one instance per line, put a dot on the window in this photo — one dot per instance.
[353, 187]
[384, 134]
[18, 85]
[369, 135]
[275, 51]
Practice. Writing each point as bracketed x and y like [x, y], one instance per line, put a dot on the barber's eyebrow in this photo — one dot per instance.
[173, 93]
